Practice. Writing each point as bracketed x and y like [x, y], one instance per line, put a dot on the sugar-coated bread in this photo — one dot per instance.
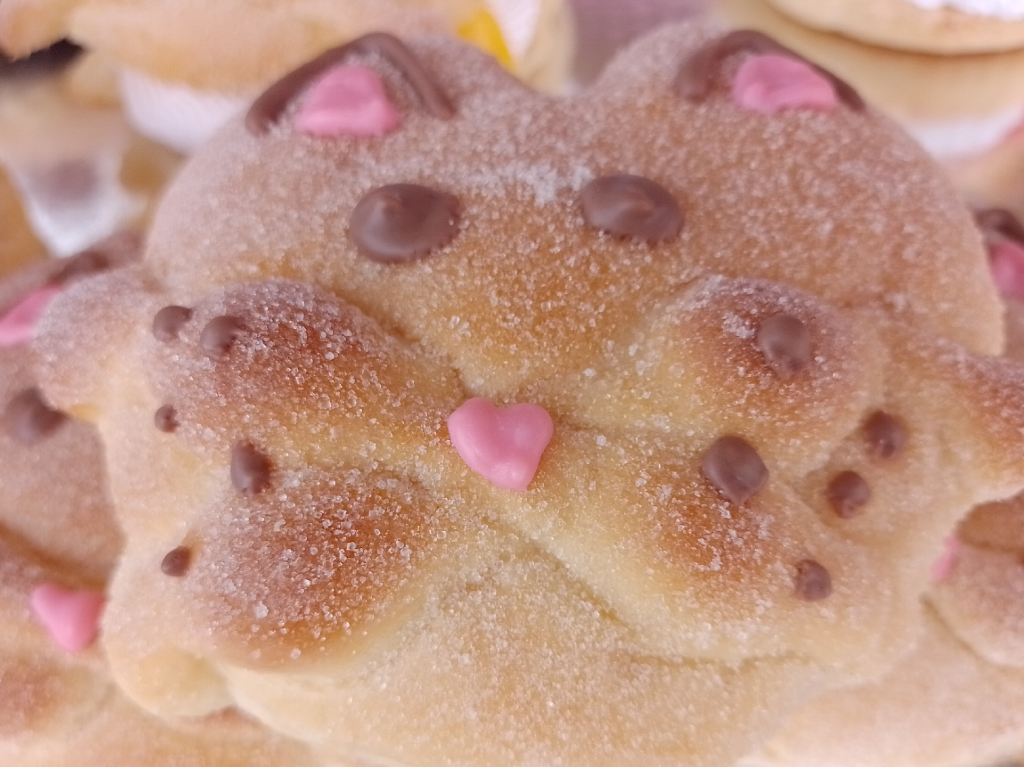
[737, 340]
[58, 535]
[956, 700]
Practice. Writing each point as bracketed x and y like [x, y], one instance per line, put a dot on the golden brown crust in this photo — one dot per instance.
[56, 525]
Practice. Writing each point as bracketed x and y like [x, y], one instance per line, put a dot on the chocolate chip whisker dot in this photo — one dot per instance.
[785, 342]
[886, 436]
[166, 419]
[219, 335]
[848, 492]
[168, 322]
[250, 469]
[697, 75]
[269, 107]
[734, 467]
[631, 206]
[811, 581]
[176, 562]
[403, 222]
[29, 418]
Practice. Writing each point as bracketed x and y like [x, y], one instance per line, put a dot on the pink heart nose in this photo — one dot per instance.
[1006, 260]
[71, 617]
[503, 445]
[18, 324]
[347, 101]
[769, 83]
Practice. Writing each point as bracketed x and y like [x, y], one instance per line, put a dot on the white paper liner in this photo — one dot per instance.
[518, 21]
[948, 139]
[73, 203]
[1008, 10]
[176, 116]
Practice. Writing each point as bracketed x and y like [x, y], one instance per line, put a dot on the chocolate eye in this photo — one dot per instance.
[403, 222]
[631, 206]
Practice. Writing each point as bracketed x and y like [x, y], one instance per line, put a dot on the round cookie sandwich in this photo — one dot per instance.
[947, 27]
[186, 66]
[484, 427]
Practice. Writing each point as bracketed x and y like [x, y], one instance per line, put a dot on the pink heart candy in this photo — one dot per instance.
[769, 83]
[71, 617]
[1006, 259]
[348, 100]
[503, 445]
[18, 324]
[944, 565]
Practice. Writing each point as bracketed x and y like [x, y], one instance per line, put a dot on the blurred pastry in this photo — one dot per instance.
[186, 66]
[79, 171]
[58, 545]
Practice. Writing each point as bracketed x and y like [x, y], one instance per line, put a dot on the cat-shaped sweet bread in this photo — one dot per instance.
[449, 423]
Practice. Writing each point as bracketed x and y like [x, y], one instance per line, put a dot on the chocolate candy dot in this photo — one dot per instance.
[166, 419]
[29, 418]
[403, 222]
[785, 343]
[250, 469]
[848, 493]
[631, 206]
[169, 321]
[733, 466]
[885, 435]
[811, 582]
[219, 335]
[176, 562]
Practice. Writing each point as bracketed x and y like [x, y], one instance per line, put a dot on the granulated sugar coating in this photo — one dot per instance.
[354, 584]
[58, 532]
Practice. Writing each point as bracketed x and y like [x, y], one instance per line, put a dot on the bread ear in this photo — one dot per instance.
[431, 97]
